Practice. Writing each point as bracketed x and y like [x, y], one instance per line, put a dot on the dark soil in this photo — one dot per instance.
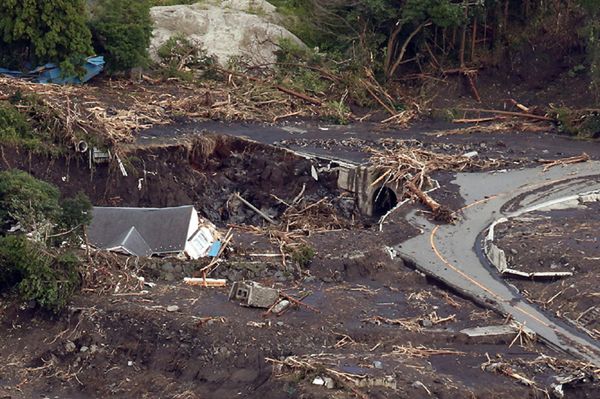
[126, 344]
[559, 240]
[129, 345]
[204, 170]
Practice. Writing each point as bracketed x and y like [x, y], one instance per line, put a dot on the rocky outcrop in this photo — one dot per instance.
[230, 28]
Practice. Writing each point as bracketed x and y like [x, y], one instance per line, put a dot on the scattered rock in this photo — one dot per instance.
[84, 349]
[167, 267]
[70, 347]
[172, 308]
[426, 323]
[281, 306]
[326, 382]
[377, 364]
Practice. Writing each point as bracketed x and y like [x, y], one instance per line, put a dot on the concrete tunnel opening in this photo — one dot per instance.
[384, 199]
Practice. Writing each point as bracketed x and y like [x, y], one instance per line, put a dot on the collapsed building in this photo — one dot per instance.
[145, 232]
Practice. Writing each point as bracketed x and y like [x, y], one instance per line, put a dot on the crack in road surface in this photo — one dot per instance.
[452, 253]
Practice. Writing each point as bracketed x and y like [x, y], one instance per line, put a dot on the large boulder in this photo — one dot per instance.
[225, 29]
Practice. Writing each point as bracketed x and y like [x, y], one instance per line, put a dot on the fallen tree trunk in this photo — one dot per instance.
[439, 211]
[509, 113]
[584, 157]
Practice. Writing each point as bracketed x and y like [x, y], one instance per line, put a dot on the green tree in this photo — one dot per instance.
[30, 202]
[34, 205]
[121, 31]
[48, 279]
[45, 31]
[76, 211]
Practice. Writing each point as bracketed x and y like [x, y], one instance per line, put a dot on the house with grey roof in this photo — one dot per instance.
[145, 232]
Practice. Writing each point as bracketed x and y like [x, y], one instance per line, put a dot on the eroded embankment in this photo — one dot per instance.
[204, 170]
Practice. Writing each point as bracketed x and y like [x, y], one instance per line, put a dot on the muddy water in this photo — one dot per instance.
[449, 252]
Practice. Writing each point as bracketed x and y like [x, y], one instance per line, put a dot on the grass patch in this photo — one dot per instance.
[303, 255]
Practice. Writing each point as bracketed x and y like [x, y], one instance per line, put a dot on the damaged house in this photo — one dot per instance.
[144, 232]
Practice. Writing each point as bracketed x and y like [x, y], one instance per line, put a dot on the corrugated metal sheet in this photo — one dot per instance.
[51, 73]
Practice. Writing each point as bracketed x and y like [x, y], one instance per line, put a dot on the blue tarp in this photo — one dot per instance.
[214, 249]
[51, 73]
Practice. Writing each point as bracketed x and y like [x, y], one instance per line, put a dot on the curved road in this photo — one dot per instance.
[451, 252]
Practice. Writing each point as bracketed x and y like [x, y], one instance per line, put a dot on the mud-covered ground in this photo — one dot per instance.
[559, 240]
[378, 321]
[127, 344]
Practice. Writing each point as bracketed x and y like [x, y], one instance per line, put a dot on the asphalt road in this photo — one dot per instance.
[451, 252]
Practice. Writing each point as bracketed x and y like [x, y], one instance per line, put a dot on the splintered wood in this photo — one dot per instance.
[550, 163]
[69, 110]
[106, 272]
[499, 125]
[422, 351]
[410, 167]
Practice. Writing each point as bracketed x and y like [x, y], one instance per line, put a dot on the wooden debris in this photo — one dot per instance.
[509, 113]
[343, 341]
[506, 369]
[501, 126]
[255, 209]
[564, 161]
[205, 282]
[476, 120]
[422, 351]
[410, 167]
[299, 302]
[407, 324]
[440, 212]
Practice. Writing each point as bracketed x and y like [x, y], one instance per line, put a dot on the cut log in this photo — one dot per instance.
[205, 282]
[508, 113]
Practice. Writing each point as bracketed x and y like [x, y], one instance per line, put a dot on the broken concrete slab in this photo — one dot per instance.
[494, 331]
[253, 294]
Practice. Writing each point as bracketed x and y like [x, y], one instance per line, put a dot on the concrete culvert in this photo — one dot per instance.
[384, 199]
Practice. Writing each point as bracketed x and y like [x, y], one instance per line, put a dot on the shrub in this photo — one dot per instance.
[121, 32]
[179, 56]
[13, 255]
[76, 211]
[28, 201]
[15, 129]
[303, 255]
[34, 204]
[42, 31]
[48, 280]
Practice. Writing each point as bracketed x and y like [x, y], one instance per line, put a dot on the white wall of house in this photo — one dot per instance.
[201, 235]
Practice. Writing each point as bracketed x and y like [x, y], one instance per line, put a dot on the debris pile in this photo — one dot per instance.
[410, 166]
[71, 110]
